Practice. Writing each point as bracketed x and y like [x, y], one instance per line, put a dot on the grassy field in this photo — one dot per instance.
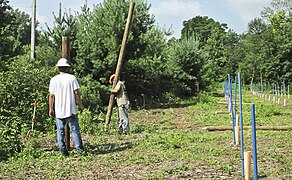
[166, 143]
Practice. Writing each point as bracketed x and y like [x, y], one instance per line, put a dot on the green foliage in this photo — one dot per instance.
[275, 7]
[201, 27]
[233, 55]
[47, 55]
[64, 25]
[278, 20]
[216, 50]
[14, 32]
[20, 26]
[100, 33]
[168, 139]
[267, 111]
[30, 149]
[88, 123]
[157, 72]
[265, 51]
[256, 26]
[185, 66]
[3, 12]
[24, 82]
[214, 42]
[9, 131]
[92, 93]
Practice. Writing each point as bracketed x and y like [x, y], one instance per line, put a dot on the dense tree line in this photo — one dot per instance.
[157, 69]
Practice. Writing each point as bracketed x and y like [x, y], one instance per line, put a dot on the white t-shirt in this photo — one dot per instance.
[62, 86]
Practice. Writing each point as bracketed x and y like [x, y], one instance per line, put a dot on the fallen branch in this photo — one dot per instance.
[222, 112]
[220, 102]
[274, 128]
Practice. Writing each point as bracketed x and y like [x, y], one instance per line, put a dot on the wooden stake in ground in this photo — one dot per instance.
[66, 55]
[120, 62]
[237, 130]
[237, 135]
[247, 165]
[237, 120]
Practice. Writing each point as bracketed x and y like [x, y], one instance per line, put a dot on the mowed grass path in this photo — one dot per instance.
[166, 143]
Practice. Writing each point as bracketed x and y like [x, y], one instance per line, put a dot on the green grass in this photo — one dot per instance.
[167, 143]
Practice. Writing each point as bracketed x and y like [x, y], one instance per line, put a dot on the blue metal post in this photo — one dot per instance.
[230, 106]
[241, 126]
[224, 89]
[288, 91]
[274, 91]
[235, 92]
[230, 93]
[254, 142]
[277, 91]
[284, 92]
[227, 91]
[269, 89]
[265, 88]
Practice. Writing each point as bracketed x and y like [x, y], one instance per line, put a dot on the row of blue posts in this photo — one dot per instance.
[275, 92]
[232, 109]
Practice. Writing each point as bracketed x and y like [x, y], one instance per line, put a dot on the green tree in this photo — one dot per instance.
[147, 73]
[277, 6]
[215, 47]
[212, 36]
[256, 26]
[185, 66]
[99, 35]
[233, 56]
[279, 17]
[64, 25]
[256, 55]
[201, 27]
[14, 32]
[4, 7]
[283, 41]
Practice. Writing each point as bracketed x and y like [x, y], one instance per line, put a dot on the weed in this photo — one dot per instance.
[163, 144]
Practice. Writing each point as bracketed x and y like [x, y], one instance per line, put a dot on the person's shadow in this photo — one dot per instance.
[107, 148]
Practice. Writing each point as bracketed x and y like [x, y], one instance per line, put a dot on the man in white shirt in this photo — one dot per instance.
[64, 92]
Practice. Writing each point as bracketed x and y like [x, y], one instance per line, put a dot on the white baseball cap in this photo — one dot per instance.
[62, 63]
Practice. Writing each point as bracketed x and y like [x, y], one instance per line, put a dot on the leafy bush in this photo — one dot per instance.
[91, 93]
[87, 121]
[267, 110]
[9, 131]
[24, 82]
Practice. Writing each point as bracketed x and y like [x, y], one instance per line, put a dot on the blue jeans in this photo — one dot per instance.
[124, 124]
[74, 126]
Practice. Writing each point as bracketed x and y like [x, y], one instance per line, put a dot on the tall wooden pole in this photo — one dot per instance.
[33, 20]
[66, 54]
[120, 62]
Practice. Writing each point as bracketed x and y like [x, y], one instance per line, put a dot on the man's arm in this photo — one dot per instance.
[116, 89]
[78, 99]
[51, 105]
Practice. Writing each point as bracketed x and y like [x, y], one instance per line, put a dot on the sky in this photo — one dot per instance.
[168, 13]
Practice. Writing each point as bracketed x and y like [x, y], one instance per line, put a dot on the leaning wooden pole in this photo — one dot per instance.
[66, 54]
[120, 62]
